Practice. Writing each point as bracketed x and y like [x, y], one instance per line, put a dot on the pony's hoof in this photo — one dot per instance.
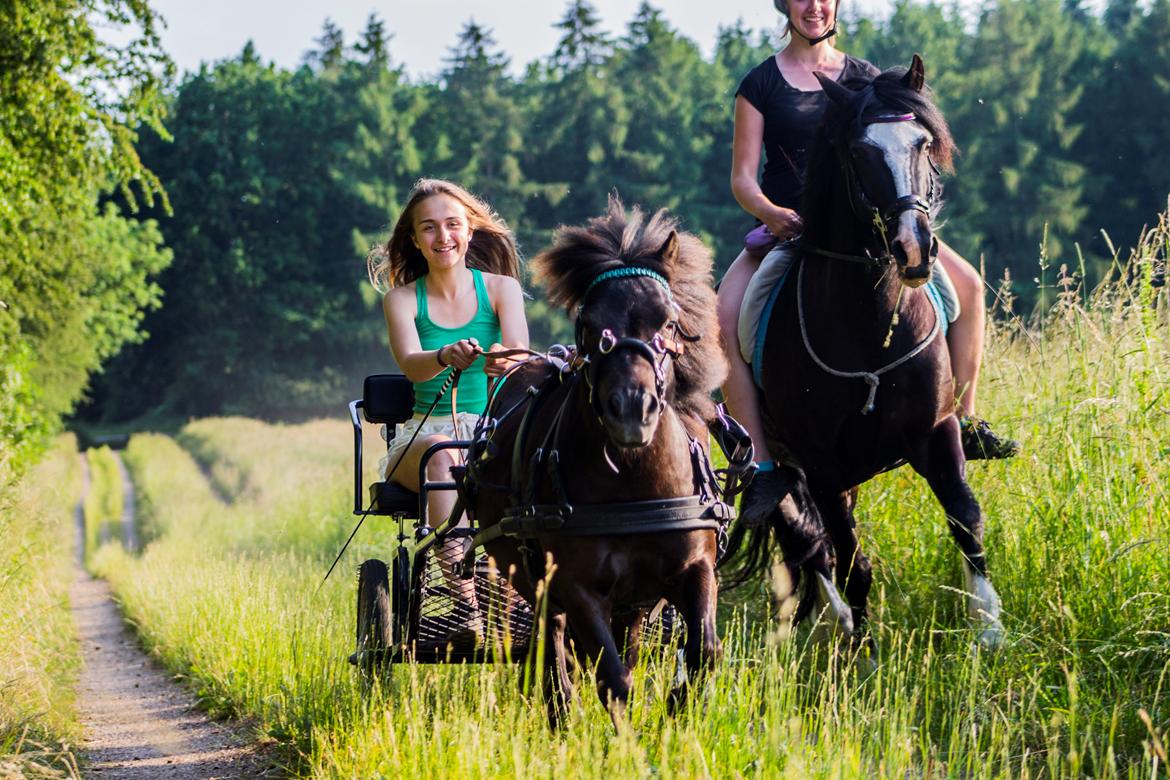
[833, 616]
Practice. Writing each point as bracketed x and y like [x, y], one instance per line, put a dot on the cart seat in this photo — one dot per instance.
[387, 399]
[393, 499]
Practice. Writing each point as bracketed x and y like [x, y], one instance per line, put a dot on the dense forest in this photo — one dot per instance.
[277, 180]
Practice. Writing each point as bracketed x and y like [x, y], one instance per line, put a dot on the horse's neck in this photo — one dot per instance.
[856, 297]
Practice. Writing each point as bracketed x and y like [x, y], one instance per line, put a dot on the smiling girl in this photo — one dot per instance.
[449, 274]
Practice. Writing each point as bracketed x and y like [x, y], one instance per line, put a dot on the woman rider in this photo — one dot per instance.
[778, 106]
[450, 277]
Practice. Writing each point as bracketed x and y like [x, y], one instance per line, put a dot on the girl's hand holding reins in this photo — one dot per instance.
[497, 366]
[784, 223]
[460, 354]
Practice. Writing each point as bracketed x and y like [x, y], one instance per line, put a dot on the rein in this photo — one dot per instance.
[872, 378]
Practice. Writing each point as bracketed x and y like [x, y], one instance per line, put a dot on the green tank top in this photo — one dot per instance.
[484, 326]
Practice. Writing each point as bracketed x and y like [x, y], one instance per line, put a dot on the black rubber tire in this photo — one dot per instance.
[374, 632]
[400, 596]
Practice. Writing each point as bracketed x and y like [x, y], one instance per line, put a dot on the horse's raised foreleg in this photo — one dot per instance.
[703, 649]
[945, 470]
[853, 569]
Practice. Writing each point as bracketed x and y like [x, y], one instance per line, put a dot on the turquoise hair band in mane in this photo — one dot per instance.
[626, 272]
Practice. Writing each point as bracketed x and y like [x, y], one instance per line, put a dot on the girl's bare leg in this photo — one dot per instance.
[439, 506]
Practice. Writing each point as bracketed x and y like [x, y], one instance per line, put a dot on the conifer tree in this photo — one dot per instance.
[1014, 118]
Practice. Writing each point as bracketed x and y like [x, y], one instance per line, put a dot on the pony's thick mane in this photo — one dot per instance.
[882, 94]
[619, 239]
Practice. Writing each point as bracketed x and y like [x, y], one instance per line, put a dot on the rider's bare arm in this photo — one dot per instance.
[745, 165]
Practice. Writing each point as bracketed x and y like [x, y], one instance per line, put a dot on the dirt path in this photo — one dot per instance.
[137, 722]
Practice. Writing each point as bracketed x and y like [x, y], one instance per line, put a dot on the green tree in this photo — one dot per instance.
[1129, 155]
[74, 277]
[1013, 115]
[265, 308]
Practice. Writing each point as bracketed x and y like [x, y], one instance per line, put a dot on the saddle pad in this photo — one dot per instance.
[766, 283]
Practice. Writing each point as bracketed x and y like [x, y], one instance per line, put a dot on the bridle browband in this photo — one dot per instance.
[661, 347]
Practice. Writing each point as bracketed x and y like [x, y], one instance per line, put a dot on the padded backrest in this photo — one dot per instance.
[387, 398]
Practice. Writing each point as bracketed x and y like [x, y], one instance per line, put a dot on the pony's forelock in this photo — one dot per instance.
[620, 238]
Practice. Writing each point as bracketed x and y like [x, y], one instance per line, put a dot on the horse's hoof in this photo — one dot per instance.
[990, 637]
[983, 609]
[864, 664]
[833, 616]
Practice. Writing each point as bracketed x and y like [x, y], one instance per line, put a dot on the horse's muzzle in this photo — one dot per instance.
[630, 416]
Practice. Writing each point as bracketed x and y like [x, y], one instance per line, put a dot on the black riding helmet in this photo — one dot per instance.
[782, 7]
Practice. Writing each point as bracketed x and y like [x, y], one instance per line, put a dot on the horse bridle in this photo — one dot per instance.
[667, 344]
[882, 219]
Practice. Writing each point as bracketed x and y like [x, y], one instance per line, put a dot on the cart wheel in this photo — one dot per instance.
[374, 634]
[400, 596]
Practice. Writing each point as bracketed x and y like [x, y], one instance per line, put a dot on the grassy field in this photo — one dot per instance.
[1077, 535]
[38, 659]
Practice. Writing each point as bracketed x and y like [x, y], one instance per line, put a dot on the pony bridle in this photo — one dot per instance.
[883, 219]
[665, 345]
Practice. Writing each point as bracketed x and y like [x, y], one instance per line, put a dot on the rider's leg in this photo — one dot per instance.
[439, 506]
[770, 484]
[739, 391]
[965, 340]
[965, 337]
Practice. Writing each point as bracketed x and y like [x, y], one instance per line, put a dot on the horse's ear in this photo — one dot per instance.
[915, 78]
[668, 252]
[835, 92]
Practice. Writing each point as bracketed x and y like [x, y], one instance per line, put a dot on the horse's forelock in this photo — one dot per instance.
[889, 90]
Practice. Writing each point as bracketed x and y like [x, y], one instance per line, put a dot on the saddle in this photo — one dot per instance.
[763, 290]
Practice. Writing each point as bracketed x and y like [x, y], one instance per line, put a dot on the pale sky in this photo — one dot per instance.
[424, 30]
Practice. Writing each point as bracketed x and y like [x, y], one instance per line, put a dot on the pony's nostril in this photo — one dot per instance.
[649, 405]
[616, 405]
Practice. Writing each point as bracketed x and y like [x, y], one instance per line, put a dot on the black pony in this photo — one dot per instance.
[856, 374]
[594, 474]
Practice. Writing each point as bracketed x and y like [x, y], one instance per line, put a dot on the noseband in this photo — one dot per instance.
[666, 344]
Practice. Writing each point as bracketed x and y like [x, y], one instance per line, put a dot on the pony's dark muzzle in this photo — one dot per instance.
[630, 416]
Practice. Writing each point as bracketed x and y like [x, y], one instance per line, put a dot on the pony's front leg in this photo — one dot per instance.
[700, 592]
[590, 622]
[558, 682]
[945, 470]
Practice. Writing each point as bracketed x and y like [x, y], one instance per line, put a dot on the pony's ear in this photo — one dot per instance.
[835, 92]
[668, 252]
[915, 78]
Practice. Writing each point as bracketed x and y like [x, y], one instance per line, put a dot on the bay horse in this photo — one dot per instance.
[856, 377]
[593, 473]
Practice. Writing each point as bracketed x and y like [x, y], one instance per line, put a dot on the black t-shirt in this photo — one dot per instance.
[791, 119]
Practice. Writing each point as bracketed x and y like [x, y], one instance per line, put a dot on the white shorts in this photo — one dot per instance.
[436, 425]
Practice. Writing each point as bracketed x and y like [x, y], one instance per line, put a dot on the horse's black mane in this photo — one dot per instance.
[628, 239]
[885, 93]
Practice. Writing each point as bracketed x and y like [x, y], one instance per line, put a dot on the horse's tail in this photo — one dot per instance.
[741, 564]
[796, 527]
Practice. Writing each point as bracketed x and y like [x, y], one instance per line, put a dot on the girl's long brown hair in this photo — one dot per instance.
[399, 261]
